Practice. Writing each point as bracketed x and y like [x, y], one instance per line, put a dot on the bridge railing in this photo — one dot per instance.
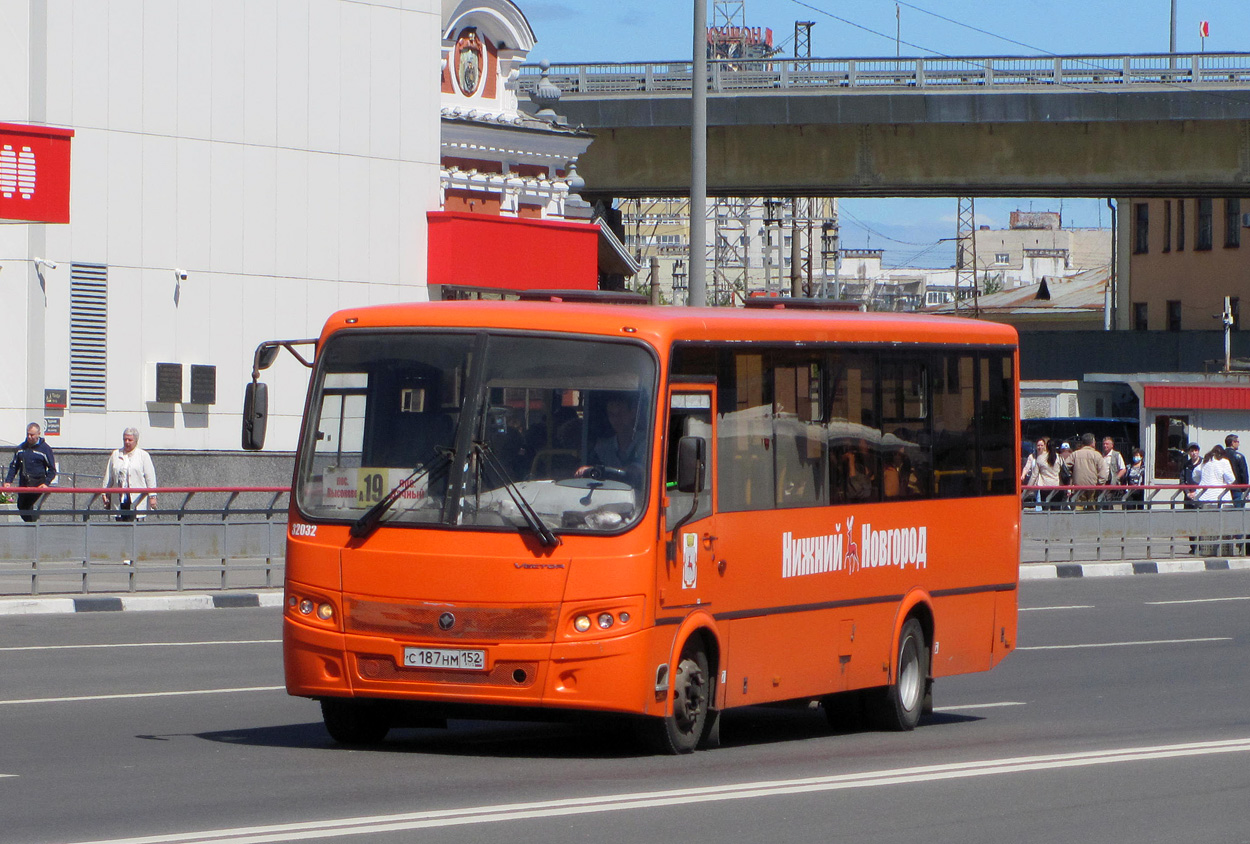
[1152, 522]
[202, 538]
[672, 77]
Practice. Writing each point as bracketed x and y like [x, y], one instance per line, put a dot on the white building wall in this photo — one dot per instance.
[282, 152]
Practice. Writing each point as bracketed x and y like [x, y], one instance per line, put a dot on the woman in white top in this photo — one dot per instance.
[1042, 469]
[1215, 473]
[130, 467]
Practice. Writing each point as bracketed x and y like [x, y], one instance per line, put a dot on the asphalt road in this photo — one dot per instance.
[1122, 718]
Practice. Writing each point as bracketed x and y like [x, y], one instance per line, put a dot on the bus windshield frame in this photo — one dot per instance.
[479, 429]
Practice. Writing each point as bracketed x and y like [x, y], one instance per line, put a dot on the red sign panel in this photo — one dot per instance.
[34, 173]
[1184, 397]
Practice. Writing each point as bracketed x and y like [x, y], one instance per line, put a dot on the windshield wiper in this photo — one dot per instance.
[367, 523]
[545, 534]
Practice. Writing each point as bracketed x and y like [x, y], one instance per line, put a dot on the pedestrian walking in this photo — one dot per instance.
[1134, 481]
[1087, 471]
[1190, 476]
[1214, 476]
[1042, 470]
[130, 467]
[33, 465]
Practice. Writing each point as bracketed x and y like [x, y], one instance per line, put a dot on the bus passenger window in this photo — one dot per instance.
[853, 436]
[954, 426]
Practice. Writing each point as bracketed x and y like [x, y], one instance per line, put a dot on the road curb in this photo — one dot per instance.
[1049, 571]
[155, 602]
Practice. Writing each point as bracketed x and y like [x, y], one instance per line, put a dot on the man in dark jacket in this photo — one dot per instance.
[1190, 476]
[1238, 461]
[33, 466]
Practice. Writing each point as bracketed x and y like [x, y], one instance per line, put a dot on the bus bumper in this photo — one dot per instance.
[609, 674]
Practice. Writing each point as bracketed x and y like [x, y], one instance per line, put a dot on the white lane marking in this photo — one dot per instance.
[978, 706]
[372, 824]
[1074, 607]
[142, 645]
[1124, 644]
[142, 694]
[1196, 601]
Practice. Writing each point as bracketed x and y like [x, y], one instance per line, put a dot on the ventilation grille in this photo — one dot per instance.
[88, 334]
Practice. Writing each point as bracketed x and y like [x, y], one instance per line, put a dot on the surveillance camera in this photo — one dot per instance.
[181, 275]
[45, 263]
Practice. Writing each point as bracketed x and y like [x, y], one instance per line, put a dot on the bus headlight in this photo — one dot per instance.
[306, 607]
[325, 612]
[605, 620]
[582, 623]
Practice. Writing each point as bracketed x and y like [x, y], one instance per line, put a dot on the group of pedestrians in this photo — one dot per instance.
[34, 467]
[1219, 476]
[1053, 468]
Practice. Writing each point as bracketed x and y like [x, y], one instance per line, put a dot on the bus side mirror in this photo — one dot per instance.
[691, 464]
[255, 415]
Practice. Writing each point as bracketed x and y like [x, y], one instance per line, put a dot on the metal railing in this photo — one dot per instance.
[1212, 70]
[1151, 522]
[203, 538]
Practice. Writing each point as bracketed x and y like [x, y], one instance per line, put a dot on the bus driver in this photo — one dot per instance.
[622, 451]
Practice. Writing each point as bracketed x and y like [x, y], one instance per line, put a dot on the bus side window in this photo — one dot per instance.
[954, 425]
[854, 437]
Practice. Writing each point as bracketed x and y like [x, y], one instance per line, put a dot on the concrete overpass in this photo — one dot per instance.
[1127, 125]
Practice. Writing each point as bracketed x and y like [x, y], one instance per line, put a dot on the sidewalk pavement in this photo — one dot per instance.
[232, 599]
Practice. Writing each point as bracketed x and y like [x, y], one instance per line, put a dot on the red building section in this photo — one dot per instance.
[34, 173]
[1196, 397]
[514, 253]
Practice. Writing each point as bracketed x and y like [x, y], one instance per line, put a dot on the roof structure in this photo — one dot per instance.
[1076, 301]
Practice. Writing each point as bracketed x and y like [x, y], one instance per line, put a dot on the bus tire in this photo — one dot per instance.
[899, 705]
[684, 729]
[356, 722]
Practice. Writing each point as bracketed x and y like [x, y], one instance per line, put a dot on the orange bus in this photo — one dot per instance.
[532, 507]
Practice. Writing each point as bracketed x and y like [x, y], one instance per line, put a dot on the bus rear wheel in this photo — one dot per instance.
[357, 722]
[899, 705]
[684, 729]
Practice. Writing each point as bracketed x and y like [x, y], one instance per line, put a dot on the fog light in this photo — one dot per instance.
[624, 618]
[325, 612]
[292, 601]
[306, 606]
[582, 623]
[605, 620]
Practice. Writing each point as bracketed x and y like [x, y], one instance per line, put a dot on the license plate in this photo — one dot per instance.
[445, 658]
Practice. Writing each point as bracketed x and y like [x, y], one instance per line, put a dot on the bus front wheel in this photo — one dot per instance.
[899, 705]
[683, 730]
[350, 721]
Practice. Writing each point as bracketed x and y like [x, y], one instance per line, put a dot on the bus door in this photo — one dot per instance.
[689, 572]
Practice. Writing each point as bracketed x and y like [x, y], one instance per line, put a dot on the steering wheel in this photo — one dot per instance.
[600, 472]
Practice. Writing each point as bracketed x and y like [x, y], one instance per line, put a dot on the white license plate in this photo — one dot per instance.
[445, 658]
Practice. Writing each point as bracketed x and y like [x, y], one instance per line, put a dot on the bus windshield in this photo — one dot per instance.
[479, 429]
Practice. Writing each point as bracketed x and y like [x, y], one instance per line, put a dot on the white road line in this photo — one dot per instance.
[372, 824]
[1074, 607]
[141, 645]
[1124, 644]
[1196, 601]
[142, 694]
[978, 706]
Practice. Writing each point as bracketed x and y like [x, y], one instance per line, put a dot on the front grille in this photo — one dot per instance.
[512, 674]
[500, 623]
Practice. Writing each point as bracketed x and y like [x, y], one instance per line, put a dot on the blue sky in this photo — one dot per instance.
[638, 30]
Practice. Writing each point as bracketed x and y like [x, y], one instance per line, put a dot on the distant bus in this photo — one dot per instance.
[660, 513]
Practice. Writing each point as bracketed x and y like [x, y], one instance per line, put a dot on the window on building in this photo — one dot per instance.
[1202, 234]
[1167, 225]
[1180, 225]
[1171, 438]
[1232, 223]
[1139, 317]
[1174, 314]
[1002, 258]
[1141, 228]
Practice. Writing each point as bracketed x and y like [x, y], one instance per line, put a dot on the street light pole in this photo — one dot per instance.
[698, 159]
